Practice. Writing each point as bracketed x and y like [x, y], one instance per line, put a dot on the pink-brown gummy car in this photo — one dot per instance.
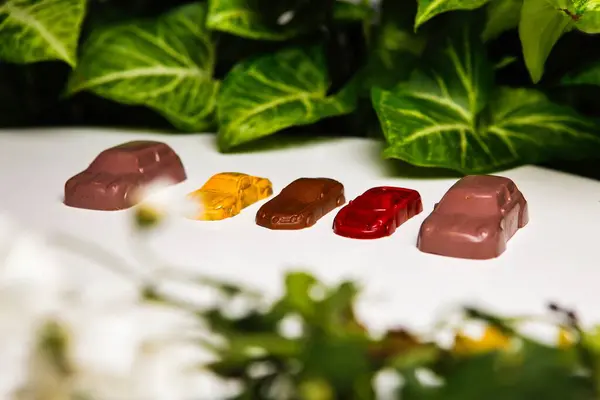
[113, 178]
[475, 219]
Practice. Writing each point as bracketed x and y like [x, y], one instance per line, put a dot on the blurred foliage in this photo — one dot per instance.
[309, 344]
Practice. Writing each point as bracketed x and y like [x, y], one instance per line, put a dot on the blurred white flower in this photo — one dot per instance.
[30, 287]
[29, 272]
[291, 327]
[160, 199]
[126, 348]
[145, 351]
[387, 384]
[119, 347]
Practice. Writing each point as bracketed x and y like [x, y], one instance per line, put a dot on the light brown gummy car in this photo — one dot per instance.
[475, 219]
[301, 204]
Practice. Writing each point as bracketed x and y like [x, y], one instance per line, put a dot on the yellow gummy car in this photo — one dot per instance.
[224, 195]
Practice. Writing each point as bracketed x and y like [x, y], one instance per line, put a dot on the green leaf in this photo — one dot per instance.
[437, 109]
[589, 22]
[40, 30]
[505, 62]
[336, 311]
[415, 389]
[442, 117]
[416, 357]
[238, 18]
[430, 8]
[592, 340]
[221, 323]
[535, 371]
[230, 366]
[588, 16]
[396, 47]
[561, 4]
[340, 360]
[591, 345]
[316, 389]
[502, 15]
[542, 24]
[271, 343]
[345, 11]
[587, 76]
[264, 95]
[245, 19]
[164, 64]
[298, 293]
[525, 128]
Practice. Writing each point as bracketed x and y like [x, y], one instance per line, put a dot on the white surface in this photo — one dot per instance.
[554, 258]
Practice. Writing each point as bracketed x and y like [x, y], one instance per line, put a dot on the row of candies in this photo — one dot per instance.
[475, 219]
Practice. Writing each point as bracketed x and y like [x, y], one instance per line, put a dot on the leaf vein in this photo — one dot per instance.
[140, 73]
[21, 14]
[273, 103]
[431, 130]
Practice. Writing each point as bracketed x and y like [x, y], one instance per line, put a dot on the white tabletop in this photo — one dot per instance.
[554, 258]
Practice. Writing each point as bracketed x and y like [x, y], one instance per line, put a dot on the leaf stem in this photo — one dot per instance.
[575, 16]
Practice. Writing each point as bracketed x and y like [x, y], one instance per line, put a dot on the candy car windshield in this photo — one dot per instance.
[376, 201]
[459, 203]
[225, 185]
[372, 202]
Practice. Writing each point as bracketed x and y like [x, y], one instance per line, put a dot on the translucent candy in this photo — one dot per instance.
[226, 194]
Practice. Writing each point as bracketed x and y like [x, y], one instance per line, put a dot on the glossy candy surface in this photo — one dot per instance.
[225, 194]
[301, 204]
[475, 219]
[114, 177]
[377, 212]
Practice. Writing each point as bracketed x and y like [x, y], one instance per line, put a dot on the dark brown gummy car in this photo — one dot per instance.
[475, 218]
[301, 204]
[112, 179]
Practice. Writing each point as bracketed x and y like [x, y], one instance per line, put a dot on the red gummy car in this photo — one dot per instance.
[377, 212]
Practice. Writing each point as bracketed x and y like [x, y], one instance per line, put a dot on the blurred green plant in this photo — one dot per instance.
[330, 355]
[460, 84]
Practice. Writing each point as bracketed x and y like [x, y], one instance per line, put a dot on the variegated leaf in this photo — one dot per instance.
[165, 64]
[449, 116]
[262, 96]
